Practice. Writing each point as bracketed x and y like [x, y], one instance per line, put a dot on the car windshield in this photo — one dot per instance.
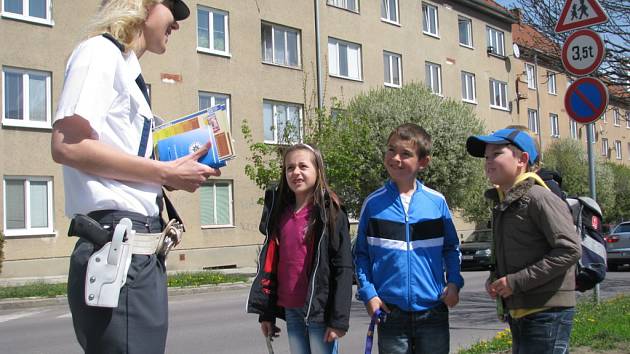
[479, 236]
[622, 228]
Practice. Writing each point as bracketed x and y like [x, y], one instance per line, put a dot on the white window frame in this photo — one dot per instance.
[500, 88]
[47, 20]
[469, 89]
[555, 125]
[616, 120]
[29, 231]
[26, 122]
[605, 147]
[213, 184]
[433, 69]
[618, 152]
[387, 13]
[469, 32]
[212, 96]
[344, 4]
[573, 129]
[334, 59]
[530, 70]
[496, 41]
[388, 61]
[284, 31]
[532, 120]
[430, 16]
[226, 30]
[274, 117]
[552, 87]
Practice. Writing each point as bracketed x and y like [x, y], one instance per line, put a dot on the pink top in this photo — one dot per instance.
[294, 258]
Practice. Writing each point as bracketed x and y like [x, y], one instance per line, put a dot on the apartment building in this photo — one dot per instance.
[260, 59]
[541, 85]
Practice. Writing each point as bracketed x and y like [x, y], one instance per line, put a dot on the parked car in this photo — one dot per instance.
[477, 250]
[618, 246]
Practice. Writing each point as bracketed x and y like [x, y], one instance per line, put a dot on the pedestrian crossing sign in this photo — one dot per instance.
[580, 13]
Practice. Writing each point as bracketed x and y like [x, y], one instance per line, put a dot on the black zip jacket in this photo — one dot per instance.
[329, 291]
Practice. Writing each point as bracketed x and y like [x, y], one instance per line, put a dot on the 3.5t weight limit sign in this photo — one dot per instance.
[582, 52]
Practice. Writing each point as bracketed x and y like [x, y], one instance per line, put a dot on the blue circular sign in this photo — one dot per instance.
[586, 100]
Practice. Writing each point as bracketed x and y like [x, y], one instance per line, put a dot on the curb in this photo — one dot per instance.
[30, 302]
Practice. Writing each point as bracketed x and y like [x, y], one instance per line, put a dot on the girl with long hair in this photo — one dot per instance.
[305, 268]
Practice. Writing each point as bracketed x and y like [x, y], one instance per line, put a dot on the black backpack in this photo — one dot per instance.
[587, 217]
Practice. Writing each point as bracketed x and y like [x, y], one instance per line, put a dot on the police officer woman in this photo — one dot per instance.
[101, 136]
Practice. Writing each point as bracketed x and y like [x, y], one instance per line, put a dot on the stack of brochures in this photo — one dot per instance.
[188, 134]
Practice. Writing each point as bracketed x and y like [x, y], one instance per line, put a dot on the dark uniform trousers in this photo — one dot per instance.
[139, 324]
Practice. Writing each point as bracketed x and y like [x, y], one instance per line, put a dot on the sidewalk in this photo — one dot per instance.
[21, 303]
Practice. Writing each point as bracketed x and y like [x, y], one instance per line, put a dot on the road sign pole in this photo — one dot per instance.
[591, 180]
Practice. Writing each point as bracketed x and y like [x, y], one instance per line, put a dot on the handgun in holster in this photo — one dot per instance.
[107, 267]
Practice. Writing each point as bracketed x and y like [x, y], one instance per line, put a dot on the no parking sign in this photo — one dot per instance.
[586, 100]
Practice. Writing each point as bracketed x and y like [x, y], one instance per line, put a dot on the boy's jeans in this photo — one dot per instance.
[545, 332]
[306, 340]
[417, 332]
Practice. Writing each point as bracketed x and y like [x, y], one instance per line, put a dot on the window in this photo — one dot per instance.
[209, 99]
[389, 10]
[616, 120]
[604, 147]
[28, 206]
[627, 119]
[498, 94]
[495, 41]
[603, 118]
[28, 10]
[433, 77]
[26, 98]
[555, 125]
[532, 120]
[468, 87]
[392, 68]
[352, 5]
[430, 16]
[216, 204]
[551, 82]
[282, 122]
[465, 31]
[344, 59]
[213, 31]
[573, 128]
[618, 151]
[531, 76]
[280, 45]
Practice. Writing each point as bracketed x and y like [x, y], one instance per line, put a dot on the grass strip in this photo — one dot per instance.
[600, 326]
[194, 279]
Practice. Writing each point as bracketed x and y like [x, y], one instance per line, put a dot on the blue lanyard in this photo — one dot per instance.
[369, 338]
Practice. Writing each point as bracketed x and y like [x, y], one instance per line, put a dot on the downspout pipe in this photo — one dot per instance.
[318, 62]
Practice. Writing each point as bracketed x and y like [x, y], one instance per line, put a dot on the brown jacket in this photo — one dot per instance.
[536, 246]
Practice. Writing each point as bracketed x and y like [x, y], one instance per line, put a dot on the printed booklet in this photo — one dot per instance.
[186, 135]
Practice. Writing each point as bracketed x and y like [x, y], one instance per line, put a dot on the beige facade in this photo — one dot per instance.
[227, 51]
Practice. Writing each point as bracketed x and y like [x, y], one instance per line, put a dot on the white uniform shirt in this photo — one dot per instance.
[100, 87]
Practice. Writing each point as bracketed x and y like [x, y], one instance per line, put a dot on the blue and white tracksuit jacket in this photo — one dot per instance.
[401, 256]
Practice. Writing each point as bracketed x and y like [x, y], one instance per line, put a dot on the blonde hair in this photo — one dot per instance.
[122, 19]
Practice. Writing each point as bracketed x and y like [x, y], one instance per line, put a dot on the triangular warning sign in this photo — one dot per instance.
[580, 13]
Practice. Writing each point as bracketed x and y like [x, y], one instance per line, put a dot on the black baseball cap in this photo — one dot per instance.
[178, 8]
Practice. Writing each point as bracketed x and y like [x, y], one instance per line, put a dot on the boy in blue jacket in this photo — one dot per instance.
[406, 241]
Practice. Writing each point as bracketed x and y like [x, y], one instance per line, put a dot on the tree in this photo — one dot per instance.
[353, 141]
[568, 158]
[621, 210]
[543, 15]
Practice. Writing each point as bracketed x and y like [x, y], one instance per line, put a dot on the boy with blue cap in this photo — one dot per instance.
[535, 245]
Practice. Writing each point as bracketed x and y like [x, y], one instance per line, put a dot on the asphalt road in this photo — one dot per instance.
[215, 322]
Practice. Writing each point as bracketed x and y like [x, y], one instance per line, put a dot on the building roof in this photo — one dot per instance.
[526, 36]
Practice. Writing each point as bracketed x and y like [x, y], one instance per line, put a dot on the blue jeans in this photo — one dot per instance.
[545, 332]
[306, 339]
[416, 332]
